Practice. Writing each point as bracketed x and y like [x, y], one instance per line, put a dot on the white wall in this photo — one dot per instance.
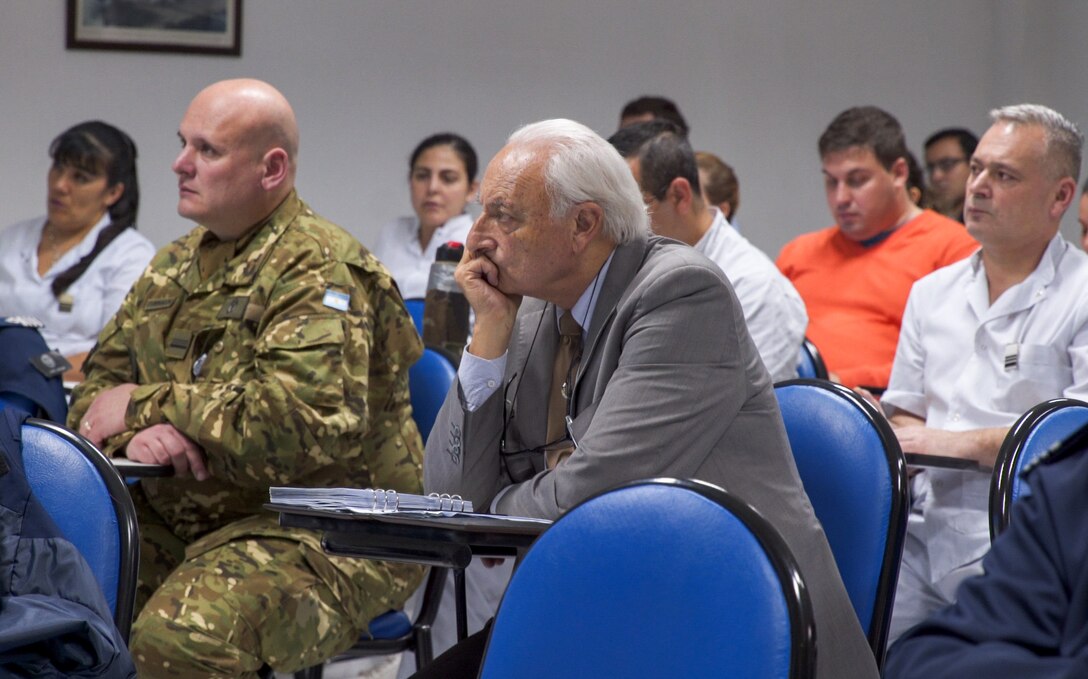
[758, 82]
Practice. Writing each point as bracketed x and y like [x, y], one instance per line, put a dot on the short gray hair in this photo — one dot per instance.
[1063, 139]
[582, 166]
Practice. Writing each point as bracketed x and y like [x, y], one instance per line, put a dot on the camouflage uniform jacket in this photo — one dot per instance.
[288, 365]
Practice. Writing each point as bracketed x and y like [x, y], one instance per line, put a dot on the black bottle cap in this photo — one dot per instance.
[449, 252]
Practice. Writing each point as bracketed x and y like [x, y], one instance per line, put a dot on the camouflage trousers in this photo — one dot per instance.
[251, 602]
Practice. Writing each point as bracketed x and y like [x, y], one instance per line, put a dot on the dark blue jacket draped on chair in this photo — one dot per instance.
[54, 620]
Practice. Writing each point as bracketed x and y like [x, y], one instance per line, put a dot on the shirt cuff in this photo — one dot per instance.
[479, 378]
[894, 401]
[494, 509]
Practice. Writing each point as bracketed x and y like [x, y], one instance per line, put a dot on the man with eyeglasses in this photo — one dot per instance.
[667, 381]
[947, 154]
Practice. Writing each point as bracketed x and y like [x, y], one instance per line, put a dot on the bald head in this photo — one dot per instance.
[238, 158]
[259, 108]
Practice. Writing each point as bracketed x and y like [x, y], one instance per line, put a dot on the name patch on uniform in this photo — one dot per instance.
[51, 364]
[254, 313]
[1012, 356]
[65, 302]
[156, 304]
[334, 299]
[234, 309]
[177, 344]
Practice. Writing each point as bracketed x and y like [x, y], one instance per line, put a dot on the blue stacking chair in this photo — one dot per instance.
[429, 379]
[415, 310]
[1039, 429]
[854, 474]
[684, 552]
[810, 364]
[87, 499]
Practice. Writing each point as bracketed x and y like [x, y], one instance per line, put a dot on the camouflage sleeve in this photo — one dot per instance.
[109, 364]
[296, 393]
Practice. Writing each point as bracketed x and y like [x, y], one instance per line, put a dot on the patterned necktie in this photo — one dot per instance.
[567, 355]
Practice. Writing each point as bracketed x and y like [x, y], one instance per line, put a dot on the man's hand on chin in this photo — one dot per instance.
[495, 310]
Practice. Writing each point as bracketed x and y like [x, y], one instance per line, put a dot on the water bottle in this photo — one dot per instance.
[445, 309]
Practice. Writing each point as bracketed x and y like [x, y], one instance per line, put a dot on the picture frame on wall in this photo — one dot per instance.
[191, 26]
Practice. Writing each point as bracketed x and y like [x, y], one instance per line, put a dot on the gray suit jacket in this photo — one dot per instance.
[670, 384]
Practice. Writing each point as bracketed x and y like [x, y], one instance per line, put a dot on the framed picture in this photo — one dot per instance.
[200, 26]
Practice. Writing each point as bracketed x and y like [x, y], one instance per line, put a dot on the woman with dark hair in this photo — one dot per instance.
[442, 179]
[71, 268]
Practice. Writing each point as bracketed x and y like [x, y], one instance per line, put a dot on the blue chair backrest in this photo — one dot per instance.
[661, 578]
[88, 501]
[429, 380]
[853, 472]
[415, 309]
[1035, 432]
[810, 364]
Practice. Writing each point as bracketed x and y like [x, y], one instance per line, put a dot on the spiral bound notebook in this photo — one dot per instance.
[368, 500]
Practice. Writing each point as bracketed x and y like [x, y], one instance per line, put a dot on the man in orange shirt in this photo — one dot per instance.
[855, 276]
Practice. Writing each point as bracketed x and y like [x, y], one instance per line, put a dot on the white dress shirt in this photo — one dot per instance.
[399, 250]
[96, 295]
[964, 364]
[773, 310]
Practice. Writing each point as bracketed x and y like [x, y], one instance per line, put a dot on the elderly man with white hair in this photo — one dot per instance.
[669, 382]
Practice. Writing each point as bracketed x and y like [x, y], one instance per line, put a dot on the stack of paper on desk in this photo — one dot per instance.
[368, 500]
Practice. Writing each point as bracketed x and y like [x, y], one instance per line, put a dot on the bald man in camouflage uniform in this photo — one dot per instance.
[263, 348]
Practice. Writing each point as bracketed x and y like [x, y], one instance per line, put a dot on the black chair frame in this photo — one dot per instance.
[126, 520]
[880, 624]
[1008, 460]
[817, 359]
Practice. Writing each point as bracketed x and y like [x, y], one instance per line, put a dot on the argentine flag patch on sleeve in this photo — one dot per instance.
[334, 299]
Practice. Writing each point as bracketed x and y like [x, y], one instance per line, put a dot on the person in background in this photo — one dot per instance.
[71, 268]
[649, 107]
[984, 340]
[663, 164]
[855, 275]
[947, 152]
[1082, 216]
[916, 182]
[719, 184]
[442, 180]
